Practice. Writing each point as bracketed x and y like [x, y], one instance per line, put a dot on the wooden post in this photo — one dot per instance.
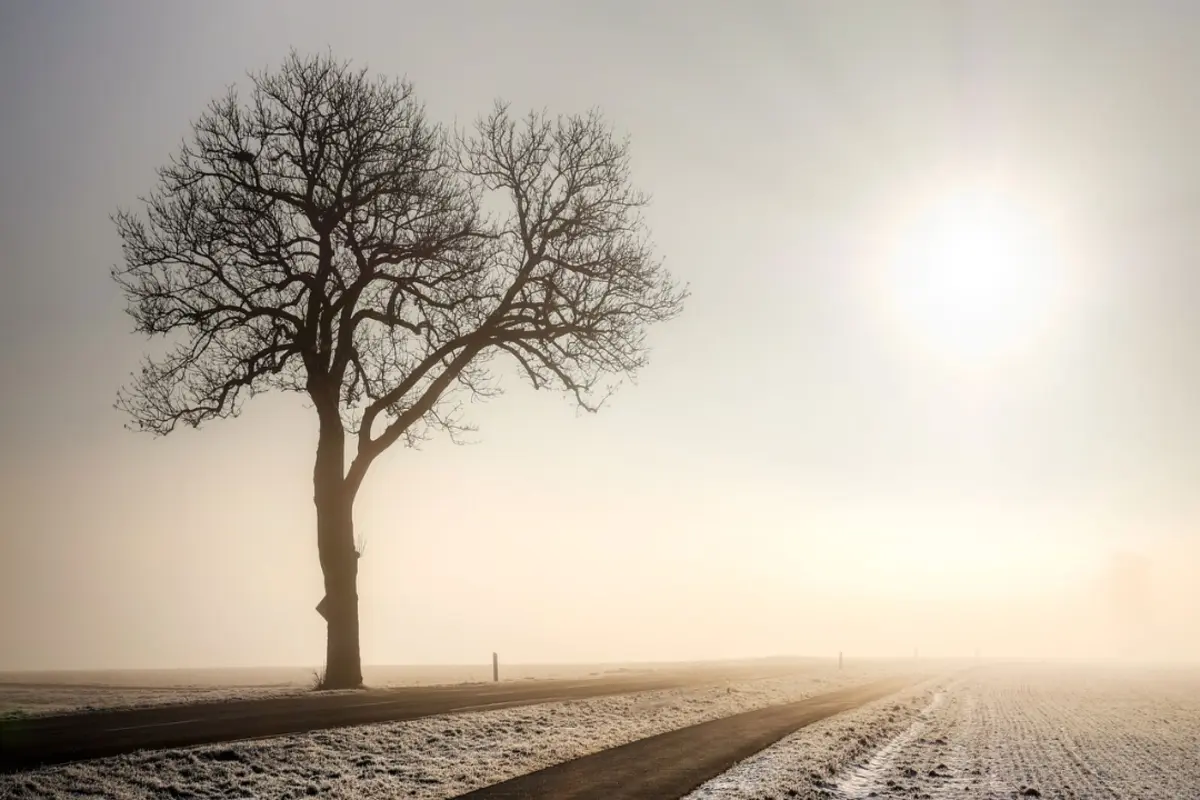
[495, 668]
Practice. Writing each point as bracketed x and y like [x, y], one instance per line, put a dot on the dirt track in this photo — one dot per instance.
[672, 764]
[39, 741]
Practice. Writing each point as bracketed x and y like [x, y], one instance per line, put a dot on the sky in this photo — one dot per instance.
[815, 460]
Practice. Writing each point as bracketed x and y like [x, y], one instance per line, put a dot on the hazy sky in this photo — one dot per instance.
[798, 470]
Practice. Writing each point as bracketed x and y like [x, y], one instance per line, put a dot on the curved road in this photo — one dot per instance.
[673, 764]
[39, 741]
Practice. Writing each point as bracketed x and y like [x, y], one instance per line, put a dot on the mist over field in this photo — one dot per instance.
[841, 445]
[605, 401]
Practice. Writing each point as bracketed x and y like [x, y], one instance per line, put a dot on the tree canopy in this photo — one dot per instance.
[325, 237]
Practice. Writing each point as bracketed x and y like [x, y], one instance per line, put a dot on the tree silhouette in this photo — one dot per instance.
[324, 237]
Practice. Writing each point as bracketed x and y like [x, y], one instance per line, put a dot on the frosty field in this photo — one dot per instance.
[435, 757]
[992, 731]
[24, 693]
[996, 732]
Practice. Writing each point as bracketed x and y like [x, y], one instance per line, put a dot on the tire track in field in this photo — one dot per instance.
[864, 781]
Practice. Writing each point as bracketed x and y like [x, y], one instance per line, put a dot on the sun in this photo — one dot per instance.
[973, 273]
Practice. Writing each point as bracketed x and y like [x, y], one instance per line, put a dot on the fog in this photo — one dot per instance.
[806, 466]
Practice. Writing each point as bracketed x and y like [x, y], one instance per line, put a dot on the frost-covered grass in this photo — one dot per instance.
[38, 693]
[999, 732]
[808, 763]
[435, 757]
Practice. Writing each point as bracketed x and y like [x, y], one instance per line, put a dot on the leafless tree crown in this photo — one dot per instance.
[325, 237]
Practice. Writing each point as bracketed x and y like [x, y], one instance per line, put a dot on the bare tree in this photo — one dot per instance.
[325, 238]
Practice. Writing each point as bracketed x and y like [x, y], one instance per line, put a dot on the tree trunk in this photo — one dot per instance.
[339, 561]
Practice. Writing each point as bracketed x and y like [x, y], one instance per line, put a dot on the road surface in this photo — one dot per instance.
[675, 763]
[39, 741]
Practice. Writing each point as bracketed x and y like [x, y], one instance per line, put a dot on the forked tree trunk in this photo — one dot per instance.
[339, 561]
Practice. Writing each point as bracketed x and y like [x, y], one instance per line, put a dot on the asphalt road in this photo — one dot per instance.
[673, 764]
[39, 741]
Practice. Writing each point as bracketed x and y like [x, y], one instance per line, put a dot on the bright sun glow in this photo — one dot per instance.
[973, 273]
